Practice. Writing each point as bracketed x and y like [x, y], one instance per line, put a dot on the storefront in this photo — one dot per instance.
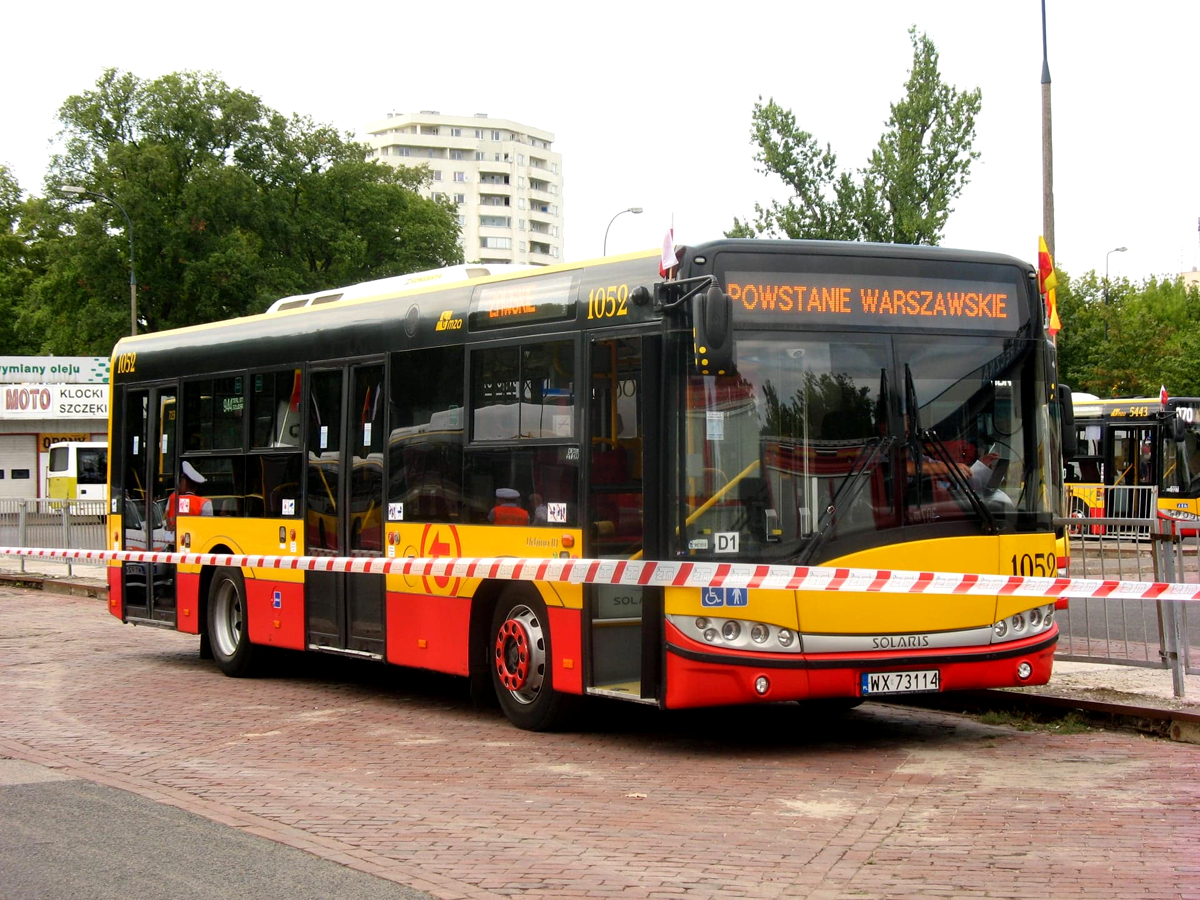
[47, 399]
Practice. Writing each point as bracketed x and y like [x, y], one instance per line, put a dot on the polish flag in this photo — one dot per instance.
[669, 259]
[1162, 395]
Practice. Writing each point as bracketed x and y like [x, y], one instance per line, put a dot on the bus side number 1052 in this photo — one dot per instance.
[608, 302]
[1040, 564]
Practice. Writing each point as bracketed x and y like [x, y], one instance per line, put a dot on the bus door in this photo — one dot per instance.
[345, 611]
[623, 627]
[1131, 475]
[148, 480]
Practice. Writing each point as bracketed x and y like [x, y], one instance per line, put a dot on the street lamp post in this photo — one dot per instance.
[78, 191]
[1106, 256]
[636, 210]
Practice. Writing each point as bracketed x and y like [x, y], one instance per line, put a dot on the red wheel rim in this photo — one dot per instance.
[512, 655]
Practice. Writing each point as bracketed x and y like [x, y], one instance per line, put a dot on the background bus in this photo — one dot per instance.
[885, 407]
[78, 471]
[1141, 444]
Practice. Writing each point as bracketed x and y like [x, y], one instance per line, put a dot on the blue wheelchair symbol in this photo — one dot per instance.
[715, 596]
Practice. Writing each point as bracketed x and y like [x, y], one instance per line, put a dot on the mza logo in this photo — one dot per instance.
[447, 322]
[440, 540]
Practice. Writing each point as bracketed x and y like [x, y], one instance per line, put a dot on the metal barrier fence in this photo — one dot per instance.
[1153, 634]
[1136, 506]
[59, 524]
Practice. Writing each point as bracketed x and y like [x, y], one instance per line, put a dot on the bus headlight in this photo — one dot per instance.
[1025, 623]
[785, 637]
[731, 630]
[759, 633]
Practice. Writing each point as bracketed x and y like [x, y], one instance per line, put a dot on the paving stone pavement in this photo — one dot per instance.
[393, 772]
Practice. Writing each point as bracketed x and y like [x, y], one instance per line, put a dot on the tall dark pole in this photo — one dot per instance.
[1047, 147]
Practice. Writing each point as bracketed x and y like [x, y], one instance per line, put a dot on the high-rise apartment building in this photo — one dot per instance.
[504, 178]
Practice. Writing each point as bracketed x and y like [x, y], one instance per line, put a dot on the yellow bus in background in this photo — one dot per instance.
[78, 471]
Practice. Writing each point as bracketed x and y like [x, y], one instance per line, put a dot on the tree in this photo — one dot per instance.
[1130, 339]
[21, 259]
[233, 205]
[904, 195]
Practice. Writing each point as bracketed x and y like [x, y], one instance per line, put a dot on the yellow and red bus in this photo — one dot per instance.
[806, 403]
[1137, 442]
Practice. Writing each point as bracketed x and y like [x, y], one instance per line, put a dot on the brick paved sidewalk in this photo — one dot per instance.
[393, 772]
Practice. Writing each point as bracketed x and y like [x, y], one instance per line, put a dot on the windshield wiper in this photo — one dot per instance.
[919, 437]
[854, 481]
[942, 454]
[845, 496]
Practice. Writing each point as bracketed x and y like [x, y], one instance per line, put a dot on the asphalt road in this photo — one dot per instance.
[63, 837]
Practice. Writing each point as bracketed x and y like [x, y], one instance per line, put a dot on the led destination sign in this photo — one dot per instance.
[874, 300]
[522, 302]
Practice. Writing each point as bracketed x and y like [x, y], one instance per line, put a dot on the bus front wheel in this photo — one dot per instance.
[519, 660]
[228, 636]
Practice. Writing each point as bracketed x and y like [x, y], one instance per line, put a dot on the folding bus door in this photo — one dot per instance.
[148, 482]
[624, 631]
[345, 507]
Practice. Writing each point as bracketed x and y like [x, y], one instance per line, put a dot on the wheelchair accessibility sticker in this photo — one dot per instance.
[719, 596]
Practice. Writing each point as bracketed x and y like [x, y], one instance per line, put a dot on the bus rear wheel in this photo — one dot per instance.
[519, 660]
[228, 635]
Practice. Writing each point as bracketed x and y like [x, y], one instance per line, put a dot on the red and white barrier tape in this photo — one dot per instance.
[660, 574]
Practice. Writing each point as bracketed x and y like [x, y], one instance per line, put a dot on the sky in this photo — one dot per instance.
[650, 103]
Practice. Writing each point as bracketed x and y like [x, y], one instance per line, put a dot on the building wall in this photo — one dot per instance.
[1190, 279]
[44, 399]
[504, 177]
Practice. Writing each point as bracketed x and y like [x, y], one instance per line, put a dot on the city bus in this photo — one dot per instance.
[1149, 444]
[796, 403]
[78, 470]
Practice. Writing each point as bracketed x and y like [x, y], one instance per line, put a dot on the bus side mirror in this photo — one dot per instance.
[712, 325]
[1066, 418]
[1178, 429]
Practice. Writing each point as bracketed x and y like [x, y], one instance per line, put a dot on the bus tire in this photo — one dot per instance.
[519, 654]
[228, 634]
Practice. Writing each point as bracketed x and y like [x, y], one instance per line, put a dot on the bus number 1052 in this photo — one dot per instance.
[1040, 564]
[608, 302]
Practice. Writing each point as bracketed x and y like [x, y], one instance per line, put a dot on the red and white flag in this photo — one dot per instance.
[1162, 395]
[669, 259]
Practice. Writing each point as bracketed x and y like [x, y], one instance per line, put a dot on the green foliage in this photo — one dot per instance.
[232, 204]
[1130, 340]
[904, 195]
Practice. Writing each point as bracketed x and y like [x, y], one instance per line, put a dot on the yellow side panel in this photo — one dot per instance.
[863, 612]
[772, 607]
[1169, 503]
[61, 487]
[422, 540]
[259, 537]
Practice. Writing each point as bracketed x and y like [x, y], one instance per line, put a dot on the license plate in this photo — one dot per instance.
[916, 681]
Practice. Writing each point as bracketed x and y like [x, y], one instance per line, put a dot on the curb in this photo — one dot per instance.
[1176, 725]
[52, 585]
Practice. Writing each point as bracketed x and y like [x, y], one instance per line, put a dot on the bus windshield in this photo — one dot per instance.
[823, 437]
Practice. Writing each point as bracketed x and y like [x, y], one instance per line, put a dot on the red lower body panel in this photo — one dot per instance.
[566, 647]
[428, 632]
[697, 676]
[116, 595]
[187, 602]
[275, 613]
